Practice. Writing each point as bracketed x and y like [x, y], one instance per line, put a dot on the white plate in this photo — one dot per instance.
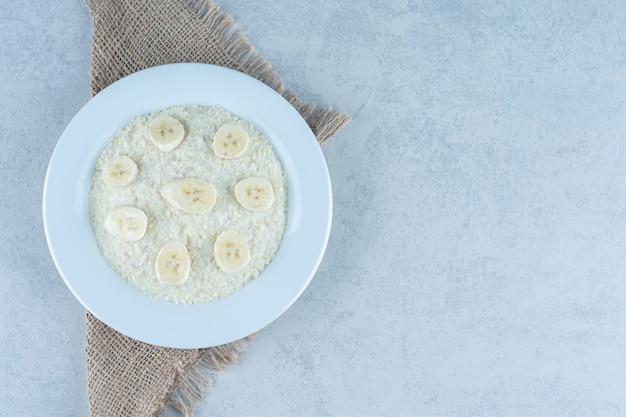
[108, 296]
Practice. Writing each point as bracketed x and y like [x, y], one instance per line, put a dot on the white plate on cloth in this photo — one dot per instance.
[105, 293]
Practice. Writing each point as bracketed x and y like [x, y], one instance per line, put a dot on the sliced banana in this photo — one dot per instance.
[190, 195]
[126, 223]
[254, 193]
[230, 141]
[172, 264]
[231, 251]
[165, 132]
[120, 171]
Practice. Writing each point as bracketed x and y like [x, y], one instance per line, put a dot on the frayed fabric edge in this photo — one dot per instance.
[323, 122]
[193, 381]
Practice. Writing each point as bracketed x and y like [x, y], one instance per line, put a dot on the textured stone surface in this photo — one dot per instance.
[476, 261]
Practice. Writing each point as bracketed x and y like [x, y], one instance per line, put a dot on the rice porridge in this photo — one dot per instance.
[188, 203]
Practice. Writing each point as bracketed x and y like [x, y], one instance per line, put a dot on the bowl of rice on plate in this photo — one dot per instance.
[187, 205]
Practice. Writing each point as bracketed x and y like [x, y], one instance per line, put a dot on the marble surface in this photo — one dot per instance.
[477, 260]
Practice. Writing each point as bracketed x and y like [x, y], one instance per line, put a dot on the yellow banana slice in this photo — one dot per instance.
[190, 195]
[120, 171]
[230, 141]
[165, 132]
[172, 264]
[254, 193]
[126, 223]
[231, 251]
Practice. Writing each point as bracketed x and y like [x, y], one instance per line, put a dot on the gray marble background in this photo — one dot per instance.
[476, 262]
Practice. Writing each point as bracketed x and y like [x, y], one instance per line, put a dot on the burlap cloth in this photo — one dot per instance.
[126, 377]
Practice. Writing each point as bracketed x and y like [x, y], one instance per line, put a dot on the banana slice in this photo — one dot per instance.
[172, 264]
[230, 141]
[190, 195]
[126, 223]
[231, 251]
[165, 132]
[120, 171]
[254, 193]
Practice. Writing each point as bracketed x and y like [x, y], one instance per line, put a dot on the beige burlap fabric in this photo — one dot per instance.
[126, 377]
